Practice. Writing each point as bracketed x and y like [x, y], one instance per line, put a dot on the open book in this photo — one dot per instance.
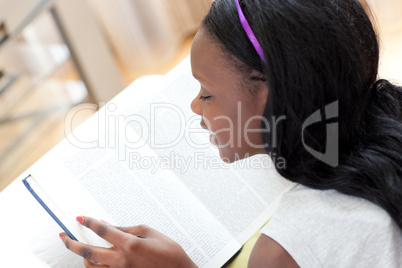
[144, 159]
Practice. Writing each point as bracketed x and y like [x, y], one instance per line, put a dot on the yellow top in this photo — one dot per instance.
[242, 259]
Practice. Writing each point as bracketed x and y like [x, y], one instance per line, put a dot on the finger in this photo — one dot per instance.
[106, 231]
[91, 264]
[98, 254]
[141, 231]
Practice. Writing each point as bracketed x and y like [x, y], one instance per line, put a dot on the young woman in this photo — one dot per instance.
[314, 64]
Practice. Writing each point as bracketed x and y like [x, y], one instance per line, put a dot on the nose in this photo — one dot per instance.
[196, 105]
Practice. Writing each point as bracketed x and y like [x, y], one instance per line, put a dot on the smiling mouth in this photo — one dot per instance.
[212, 139]
[202, 124]
[212, 136]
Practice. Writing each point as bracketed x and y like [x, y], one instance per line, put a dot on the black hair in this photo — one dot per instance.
[322, 52]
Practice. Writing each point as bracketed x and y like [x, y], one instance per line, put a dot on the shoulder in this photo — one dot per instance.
[268, 253]
[330, 208]
[318, 228]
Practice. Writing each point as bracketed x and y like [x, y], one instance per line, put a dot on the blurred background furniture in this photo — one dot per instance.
[55, 54]
[147, 33]
[34, 51]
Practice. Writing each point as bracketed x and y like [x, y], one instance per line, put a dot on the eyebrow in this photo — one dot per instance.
[200, 79]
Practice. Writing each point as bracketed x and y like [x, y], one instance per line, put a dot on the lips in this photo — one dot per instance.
[212, 136]
[202, 124]
[212, 139]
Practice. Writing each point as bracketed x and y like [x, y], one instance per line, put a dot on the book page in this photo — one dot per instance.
[239, 195]
[143, 159]
[103, 187]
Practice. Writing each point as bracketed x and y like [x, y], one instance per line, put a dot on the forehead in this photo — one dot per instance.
[207, 59]
[209, 56]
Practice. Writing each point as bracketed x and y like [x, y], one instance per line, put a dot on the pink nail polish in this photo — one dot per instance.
[61, 236]
[80, 219]
[105, 222]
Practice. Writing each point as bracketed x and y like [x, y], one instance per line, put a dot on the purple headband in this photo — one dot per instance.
[249, 32]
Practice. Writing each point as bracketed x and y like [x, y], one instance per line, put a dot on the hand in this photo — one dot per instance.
[137, 246]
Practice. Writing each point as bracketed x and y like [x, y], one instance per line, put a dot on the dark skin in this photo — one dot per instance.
[141, 246]
[136, 246]
[268, 253]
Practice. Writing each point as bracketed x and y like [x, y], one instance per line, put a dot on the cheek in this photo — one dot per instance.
[231, 136]
[251, 124]
[224, 132]
[223, 123]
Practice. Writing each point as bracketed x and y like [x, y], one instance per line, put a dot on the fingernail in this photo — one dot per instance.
[61, 236]
[105, 222]
[80, 219]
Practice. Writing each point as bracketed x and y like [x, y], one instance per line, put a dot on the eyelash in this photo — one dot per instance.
[204, 98]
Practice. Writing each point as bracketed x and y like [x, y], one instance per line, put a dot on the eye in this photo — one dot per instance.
[204, 98]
